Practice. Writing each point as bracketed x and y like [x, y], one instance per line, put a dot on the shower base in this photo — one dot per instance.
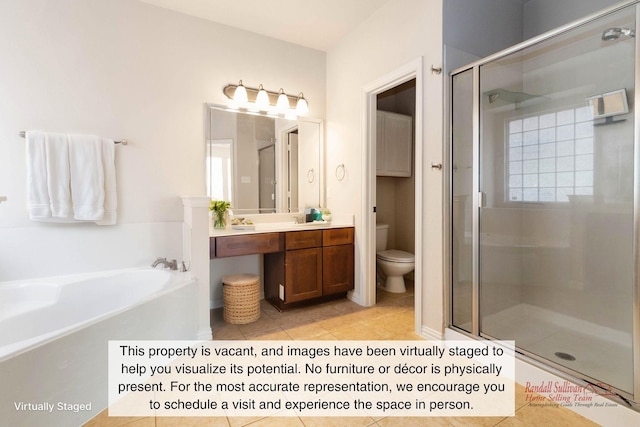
[601, 353]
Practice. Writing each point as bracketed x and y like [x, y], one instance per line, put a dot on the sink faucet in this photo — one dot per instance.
[173, 265]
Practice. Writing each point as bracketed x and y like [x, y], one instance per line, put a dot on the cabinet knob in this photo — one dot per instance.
[436, 165]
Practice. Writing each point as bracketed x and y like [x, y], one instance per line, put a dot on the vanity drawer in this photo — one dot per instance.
[248, 244]
[303, 239]
[337, 236]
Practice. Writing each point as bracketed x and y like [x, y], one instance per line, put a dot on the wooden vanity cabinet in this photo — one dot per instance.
[315, 265]
[300, 267]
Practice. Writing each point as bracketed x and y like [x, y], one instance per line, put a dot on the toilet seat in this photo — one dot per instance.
[394, 255]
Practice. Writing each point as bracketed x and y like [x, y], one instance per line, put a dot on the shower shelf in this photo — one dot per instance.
[509, 96]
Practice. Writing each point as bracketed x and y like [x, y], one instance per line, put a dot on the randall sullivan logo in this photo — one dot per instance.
[50, 407]
[565, 393]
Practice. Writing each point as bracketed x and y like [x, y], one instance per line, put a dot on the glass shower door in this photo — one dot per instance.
[462, 311]
[556, 269]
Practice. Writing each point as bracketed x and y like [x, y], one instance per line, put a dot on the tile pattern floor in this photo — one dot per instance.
[390, 319]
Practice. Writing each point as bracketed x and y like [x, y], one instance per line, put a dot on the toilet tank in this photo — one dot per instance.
[382, 231]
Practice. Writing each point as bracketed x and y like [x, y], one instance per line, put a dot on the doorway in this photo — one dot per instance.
[396, 79]
[395, 188]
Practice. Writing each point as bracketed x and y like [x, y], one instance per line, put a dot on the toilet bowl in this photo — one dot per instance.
[393, 263]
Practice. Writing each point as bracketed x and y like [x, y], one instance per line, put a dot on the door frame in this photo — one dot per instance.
[410, 71]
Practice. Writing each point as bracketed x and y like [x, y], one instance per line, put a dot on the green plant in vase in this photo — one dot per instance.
[218, 209]
[326, 214]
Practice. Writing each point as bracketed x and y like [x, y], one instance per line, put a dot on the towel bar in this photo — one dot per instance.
[123, 142]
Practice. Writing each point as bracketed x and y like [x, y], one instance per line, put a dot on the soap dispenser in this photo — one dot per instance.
[312, 214]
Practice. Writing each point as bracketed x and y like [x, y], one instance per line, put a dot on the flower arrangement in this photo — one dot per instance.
[218, 209]
[326, 214]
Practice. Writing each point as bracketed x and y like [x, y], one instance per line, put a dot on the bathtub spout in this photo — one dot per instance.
[173, 265]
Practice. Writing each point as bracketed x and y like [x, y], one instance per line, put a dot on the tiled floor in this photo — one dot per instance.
[390, 319]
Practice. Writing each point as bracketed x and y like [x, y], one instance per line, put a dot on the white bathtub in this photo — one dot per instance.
[54, 334]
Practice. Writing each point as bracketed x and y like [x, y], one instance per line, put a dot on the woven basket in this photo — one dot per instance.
[241, 296]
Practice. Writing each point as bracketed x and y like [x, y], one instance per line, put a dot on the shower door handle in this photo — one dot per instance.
[481, 199]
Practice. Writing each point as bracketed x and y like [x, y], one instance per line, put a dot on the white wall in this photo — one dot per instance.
[123, 69]
[393, 36]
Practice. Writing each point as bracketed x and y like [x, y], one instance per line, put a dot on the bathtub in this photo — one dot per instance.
[54, 334]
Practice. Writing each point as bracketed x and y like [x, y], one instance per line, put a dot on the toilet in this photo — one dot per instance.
[393, 263]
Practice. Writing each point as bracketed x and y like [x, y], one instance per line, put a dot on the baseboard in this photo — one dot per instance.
[205, 334]
[355, 297]
[431, 334]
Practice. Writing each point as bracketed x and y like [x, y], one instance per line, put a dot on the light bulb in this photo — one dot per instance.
[283, 102]
[240, 96]
[302, 107]
[262, 99]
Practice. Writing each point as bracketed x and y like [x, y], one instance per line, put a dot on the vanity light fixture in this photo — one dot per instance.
[264, 101]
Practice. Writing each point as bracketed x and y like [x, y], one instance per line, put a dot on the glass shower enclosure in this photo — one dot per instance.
[545, 200]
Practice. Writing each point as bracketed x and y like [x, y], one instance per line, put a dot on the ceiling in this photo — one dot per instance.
[317, 24]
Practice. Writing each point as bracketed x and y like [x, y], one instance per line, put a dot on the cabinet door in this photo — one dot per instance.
[303, 270]
[338, 269]
[394, 145]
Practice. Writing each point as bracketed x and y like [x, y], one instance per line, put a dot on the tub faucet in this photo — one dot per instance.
[173, 265]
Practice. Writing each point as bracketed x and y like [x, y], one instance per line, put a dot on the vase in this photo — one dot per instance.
[219, 220]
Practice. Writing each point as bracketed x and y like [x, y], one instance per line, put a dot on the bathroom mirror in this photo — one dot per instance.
[261, 163]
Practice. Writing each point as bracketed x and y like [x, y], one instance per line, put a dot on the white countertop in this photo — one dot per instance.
[339, 221]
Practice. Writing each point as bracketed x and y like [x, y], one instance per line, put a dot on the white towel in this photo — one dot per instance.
[110, 194]
[58, 175]
[70, 178]
[87, 177]
[37, 189]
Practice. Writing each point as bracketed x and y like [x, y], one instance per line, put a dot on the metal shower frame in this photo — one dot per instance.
[623, 396]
